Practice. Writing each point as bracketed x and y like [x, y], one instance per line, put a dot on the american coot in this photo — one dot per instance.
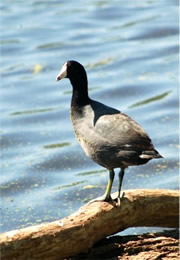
[108, 136]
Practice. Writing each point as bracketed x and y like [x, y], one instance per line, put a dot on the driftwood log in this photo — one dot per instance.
[91, 223]
[150, 246]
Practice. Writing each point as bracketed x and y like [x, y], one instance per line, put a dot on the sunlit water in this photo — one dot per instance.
[130, 52]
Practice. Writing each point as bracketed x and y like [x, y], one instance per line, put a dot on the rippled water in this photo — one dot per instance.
[130, 51]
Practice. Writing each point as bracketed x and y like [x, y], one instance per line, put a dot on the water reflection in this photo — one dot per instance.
[53, 146]
[150, 100]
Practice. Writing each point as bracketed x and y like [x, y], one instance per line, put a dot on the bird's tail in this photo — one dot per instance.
[151, 154]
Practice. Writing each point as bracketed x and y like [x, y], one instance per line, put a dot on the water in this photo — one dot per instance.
[130, 52]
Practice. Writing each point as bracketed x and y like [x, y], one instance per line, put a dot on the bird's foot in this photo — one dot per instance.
[115, 202]
[119, 198]
[103, 199]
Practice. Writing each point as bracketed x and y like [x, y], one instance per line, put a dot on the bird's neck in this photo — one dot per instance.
[80, 92]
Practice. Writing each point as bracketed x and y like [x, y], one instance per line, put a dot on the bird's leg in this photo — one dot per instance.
[120, 195]
[109, 186]
[107, 196]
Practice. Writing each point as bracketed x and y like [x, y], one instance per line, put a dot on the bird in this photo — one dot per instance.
[108, 136]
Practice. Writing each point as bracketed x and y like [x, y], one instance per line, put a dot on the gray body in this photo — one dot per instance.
[111, 138]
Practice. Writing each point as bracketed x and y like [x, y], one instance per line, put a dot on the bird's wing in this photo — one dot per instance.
[102, 126]
[120, 130]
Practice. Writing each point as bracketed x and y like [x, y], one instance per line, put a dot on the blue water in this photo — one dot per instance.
[130, 52]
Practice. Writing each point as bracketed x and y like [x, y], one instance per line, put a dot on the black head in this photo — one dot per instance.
[76, 73]
[71, 70]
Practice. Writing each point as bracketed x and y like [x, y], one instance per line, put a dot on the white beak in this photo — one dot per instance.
[63, 73]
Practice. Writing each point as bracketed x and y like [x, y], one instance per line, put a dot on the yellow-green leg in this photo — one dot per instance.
[109, 186]
[107, 196]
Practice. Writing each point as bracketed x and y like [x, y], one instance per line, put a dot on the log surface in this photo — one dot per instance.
[91, 223]
[151, 246]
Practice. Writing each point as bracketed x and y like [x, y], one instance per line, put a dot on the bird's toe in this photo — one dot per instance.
[103, 199]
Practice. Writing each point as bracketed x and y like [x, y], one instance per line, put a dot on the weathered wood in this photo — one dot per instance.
[161, 245]
[91, 223]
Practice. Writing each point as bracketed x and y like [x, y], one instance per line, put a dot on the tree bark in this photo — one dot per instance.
[91, 223]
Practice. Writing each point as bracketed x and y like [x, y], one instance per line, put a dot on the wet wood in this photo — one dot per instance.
[91, 223]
